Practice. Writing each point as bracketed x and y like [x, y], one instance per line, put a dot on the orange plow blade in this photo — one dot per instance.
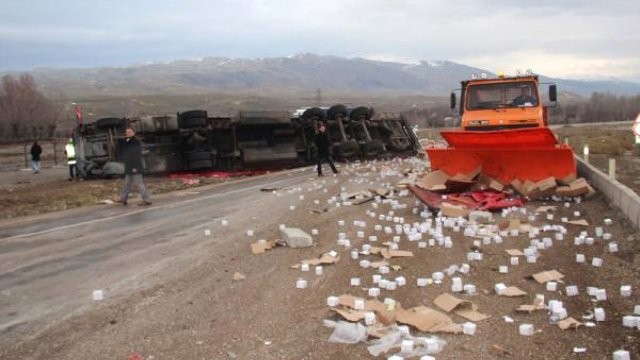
[524, 154]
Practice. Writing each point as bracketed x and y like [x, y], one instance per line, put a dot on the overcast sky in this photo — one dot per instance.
[560, 38]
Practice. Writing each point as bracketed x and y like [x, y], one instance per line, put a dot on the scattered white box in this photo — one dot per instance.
[469, 289]
[373, 292]
[358, 304]
[621, 355]
[625, 290]
[355, 281]
[526, 329]
[301, 284]
[515, 260]
[552, 286]
[500, 288]
[613, 247]
[503, 269]
[370, 318]
[421, 282]
[580, 258]
[456, 284]
[406, 346]
[630, 321]
[98, 295]
[599, 314]
[601, 294]
[469, 328]
[571, 290]
[333, 301]
[596, 262]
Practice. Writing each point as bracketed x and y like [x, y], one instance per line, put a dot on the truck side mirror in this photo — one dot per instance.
[452, 100]
[553, 94]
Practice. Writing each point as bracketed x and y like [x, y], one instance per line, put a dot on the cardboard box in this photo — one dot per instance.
[454, 211]
[428, 320]
[466, 309]
[433, 181]
[545, 276]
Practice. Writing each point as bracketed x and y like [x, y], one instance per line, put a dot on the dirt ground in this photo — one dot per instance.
[203, 313]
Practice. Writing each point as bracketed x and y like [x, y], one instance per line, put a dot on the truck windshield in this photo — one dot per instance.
[493, 96]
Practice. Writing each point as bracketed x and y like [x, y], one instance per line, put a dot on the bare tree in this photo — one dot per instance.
[24, 111]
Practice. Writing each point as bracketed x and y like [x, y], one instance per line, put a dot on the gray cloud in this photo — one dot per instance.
[563, 37]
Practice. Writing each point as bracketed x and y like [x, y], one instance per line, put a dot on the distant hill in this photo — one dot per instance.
[303, 72]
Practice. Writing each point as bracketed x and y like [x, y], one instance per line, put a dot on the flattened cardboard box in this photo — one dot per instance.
[428, 320]
[434, 181]
[262, 246]
[513, 291]
[569, 323]
[466, 309]
[325, 259]
[514, 252]
[388, 254]
[454, 211]
[546, 276]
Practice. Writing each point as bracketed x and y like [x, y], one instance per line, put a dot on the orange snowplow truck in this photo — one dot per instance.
[504, 133]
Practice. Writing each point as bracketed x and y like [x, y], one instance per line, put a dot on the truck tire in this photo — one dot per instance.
[359, 112]
[194, 114]
[310, 114]
[336, 110]
[399, 144]
[190, 123]
[107, 123]
[372, 149]
[347, 150]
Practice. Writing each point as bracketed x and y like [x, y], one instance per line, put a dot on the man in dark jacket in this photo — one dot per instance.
[36, 150]
[322, 145]
[131, 153]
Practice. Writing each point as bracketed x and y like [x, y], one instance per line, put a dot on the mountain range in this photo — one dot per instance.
[293, 74]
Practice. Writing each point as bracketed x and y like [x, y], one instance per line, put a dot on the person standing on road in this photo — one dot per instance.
[36, 150]
[322, 145]
[131, 153]
[70, 151]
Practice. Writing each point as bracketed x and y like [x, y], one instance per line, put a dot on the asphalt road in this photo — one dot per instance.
[51, 264]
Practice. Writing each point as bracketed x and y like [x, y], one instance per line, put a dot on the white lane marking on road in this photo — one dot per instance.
[113, 217]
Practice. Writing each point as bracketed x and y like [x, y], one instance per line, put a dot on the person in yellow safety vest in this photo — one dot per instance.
[70, 151]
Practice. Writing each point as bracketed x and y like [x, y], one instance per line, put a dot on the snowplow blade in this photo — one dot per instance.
[525, 154]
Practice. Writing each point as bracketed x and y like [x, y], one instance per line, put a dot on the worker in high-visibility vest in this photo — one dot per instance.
[70, 151]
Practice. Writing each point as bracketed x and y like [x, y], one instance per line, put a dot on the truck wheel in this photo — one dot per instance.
[107, 123]
[399, 144]
[194, 114]
[359, 112]
[348, 150]
[310, 114]
[372, 149]
[336, 110]
[189, 123]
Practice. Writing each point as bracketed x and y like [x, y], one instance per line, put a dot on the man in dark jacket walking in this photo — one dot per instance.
[322, 145]
[131, 153]
[36, 150]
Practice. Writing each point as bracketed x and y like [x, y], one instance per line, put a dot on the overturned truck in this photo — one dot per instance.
[194, 141]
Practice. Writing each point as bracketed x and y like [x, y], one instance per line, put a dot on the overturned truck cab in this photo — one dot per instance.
[195, 141]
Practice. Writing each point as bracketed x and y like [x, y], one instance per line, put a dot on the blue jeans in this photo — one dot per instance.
[35, 165]
[134, 179]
